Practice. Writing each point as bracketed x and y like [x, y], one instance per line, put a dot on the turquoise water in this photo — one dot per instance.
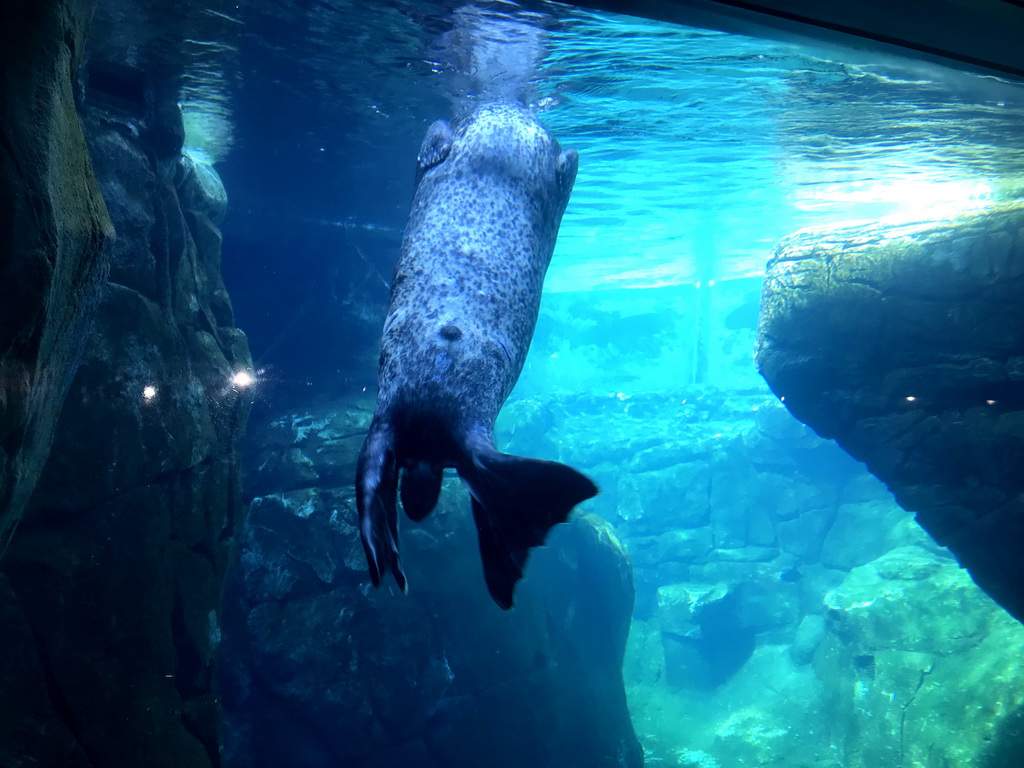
[702, 149]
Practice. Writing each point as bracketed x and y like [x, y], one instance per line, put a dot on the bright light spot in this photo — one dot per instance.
[782, 399]
[991, 402]
[911, 398]
[242, 379]
[915, 195]
[364, 389]
[148, 392]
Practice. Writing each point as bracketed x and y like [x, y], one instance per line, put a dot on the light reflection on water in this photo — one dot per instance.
[699, 149]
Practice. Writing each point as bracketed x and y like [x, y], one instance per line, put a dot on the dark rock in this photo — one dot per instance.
[313, 449]
[320, 665]
[903, 344]
[704, 636]
[53, 227]
[1008, 745]
[30, 708]
[114, 578]
[99, 594]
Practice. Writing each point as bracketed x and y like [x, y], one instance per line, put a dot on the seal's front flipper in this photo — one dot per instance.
[516, 501]
[421, 487]
[435, 148]
[568, 165]
[376, 501]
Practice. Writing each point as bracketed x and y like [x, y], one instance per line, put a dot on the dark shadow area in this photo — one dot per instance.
[709, 657]
[1007, 748]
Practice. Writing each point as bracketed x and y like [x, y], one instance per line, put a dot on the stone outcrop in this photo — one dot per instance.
[110, 590]
[770, 568]
[320, 665]
[52, 230]
[905, 344]
[905, 633]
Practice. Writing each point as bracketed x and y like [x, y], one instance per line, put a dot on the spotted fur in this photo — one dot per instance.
[490, 195]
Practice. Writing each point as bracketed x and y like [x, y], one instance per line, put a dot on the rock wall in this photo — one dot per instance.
[110, 590]
[788, 611]
[322, 670]
[53, 227]
[928, 661]
[906, 345]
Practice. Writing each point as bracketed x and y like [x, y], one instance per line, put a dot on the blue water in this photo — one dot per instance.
[699, 150]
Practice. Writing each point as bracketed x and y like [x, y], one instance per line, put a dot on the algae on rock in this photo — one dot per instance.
[112, 585]
[52, 235]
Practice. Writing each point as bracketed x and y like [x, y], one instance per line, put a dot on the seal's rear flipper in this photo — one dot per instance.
[516, 501]
[376, 492]
[421, 487]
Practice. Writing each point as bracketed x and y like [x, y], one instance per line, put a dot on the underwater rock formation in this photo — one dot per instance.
[52, 231]
[319, 665]
[906, 635]
[110, 590]
[905, 344]
[748, 534]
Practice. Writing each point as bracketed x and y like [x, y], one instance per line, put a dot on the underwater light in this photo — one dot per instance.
[242, 379]
[148, 392]
[911, 398]
[208, 127]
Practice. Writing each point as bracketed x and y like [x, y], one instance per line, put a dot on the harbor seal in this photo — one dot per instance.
[491, 189]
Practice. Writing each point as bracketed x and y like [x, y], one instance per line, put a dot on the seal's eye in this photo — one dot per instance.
[451, 332]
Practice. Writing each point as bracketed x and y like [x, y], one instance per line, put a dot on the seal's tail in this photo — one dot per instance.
[516, 501]
[376, 491]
